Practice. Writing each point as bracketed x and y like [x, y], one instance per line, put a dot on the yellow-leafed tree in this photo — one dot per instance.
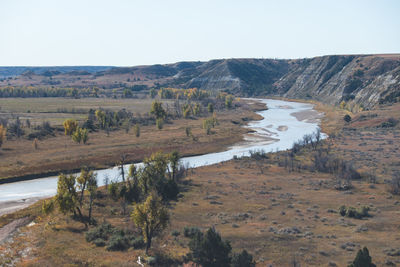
[70, 126]
[3, 131]
[152, 216]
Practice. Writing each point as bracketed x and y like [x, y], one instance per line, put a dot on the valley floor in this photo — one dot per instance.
[277, 215]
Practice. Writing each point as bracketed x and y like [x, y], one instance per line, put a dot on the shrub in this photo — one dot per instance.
[100, 232]
[352, 212]
[363, 259]
[175, 233]
[243, 259]
[188, 131]
[99, 242]
[118, 242]
[391, 122]
[342, 210]
[190, 231]
[137, 243]
[347, 118]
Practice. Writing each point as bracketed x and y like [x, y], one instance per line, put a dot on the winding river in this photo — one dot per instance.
[282, 124]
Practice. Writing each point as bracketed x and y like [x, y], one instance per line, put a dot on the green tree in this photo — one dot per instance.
[173, 159]
[228, 101]
[159, 123]
[92, 189]
[127, 93]
[84, 135]
[362, 259]
[153, 92]
[209, 249]
[70, 126]
[157, 110]
[210, 108]
[243, 259]
[152, 217]
[67, 195]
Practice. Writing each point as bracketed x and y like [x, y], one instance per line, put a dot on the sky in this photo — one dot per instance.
[143, 32]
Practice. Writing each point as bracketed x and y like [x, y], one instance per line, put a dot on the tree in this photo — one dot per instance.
[92, 189]
[210, 108]
[243, 259]
[70, 126]
[153, 92]
[136, 130]
[83, 181]
[85, 135]
[228, 101]
[173, 159]
[196, 109]
[157, 110]
[160, 123]
[209, 249]
[80, 135]
[152, 217]
[67, 195]
[101, 117]
[362, 259]
[3, 136]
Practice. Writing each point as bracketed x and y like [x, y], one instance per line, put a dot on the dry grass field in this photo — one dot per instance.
[277, 216]
[57, 109]
[60, 153]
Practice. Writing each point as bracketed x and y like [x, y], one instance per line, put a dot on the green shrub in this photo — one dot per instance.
[352, 212]
[100, 232]
[175, 233]
[99, 242]
[243, 259]
[117, 243]
[363, 259]
[137, 243]
[342, 210]
[190, 231]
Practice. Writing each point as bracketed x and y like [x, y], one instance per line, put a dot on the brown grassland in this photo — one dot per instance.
[60, 153]
[276, 215]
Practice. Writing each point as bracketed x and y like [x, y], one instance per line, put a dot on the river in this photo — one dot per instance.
[283, 123]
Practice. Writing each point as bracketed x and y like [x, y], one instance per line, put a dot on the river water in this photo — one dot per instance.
[278, 130]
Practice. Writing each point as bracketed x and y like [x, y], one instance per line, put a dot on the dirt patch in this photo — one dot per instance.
[7, 230]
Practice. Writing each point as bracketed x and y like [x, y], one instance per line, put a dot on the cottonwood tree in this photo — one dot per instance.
[70, 126]
[67, 196]
[3, 136]
[92, 189]
[173, 159]
[152, 217]
[157, 110]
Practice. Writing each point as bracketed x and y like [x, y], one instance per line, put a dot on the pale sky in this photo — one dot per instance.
[133, 32]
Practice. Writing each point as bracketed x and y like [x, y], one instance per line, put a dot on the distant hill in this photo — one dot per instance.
[15, 71]
[364, 79]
